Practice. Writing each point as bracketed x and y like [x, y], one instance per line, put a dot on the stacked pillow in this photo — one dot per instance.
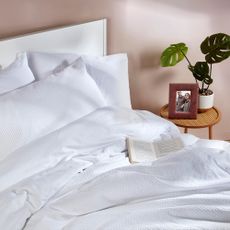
[46, 105]
[66, 88]
[109, 72]
[16, 75]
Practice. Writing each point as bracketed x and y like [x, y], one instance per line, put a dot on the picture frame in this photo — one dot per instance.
[183, 101]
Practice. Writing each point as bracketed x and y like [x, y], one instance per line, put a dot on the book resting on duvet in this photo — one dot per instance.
[142, 151]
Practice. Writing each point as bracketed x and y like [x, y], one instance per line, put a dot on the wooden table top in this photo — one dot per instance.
[205, 119]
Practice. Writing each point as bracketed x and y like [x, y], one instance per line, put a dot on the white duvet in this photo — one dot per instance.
[79, 178]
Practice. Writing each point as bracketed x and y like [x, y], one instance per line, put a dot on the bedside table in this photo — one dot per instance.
[204, 120]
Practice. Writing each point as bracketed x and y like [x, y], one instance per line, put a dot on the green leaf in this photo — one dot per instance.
[173, 54]
[200, 70]
[208, 80]
[216, 48]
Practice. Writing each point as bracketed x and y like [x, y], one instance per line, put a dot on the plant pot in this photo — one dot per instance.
[206, 102]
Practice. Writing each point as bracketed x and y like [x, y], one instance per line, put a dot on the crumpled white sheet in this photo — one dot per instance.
[79, 178]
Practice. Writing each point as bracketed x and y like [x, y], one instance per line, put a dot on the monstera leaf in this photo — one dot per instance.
[173, 54]
[201, 72]
[208, 80]
[216, 48]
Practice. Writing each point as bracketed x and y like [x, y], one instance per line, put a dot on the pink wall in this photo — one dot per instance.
[142, 28]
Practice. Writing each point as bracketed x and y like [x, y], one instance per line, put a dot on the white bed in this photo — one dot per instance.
[70, 170]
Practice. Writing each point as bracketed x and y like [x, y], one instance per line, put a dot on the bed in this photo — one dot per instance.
[64, 119]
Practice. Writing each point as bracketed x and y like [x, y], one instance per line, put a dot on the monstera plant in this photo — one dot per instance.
[216, 48]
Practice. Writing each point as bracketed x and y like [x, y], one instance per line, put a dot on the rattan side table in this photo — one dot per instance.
[204, 120]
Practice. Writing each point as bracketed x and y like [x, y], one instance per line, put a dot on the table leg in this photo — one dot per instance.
[210, 132]
[185, 130]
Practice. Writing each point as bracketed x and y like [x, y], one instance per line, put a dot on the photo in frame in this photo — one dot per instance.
[183, 101]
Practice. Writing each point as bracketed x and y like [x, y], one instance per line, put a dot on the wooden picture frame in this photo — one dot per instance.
[183, 101]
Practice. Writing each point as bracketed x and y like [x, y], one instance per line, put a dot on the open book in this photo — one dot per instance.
[142, 151]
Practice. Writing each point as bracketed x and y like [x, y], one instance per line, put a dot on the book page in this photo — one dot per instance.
[163, 147]
[140, 151]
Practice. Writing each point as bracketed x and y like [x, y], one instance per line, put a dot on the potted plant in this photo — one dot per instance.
[216, 48]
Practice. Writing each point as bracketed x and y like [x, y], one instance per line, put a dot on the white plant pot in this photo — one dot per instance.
[205, 102]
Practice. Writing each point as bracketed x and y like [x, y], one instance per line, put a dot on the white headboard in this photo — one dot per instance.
[87, 38]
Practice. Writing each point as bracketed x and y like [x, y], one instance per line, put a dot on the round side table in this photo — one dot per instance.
[204, 120]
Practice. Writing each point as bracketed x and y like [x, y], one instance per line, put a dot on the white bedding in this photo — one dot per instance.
[79, 177]
[42, 107]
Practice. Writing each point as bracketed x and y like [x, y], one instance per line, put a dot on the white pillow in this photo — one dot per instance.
[44, 106]
[111, 75]
[109, 72]
[16, 75]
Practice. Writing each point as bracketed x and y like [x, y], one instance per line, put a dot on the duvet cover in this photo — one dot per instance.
[79, 178]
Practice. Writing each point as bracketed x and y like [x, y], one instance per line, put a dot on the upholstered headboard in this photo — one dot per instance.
[87, 38]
